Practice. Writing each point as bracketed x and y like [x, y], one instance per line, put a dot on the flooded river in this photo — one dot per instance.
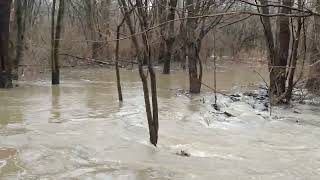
[79, 131]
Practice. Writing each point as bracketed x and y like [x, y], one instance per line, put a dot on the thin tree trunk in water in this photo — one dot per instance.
[56, 41]
[171, 36]
[5, 64]
[313, 83]
[215, 69]
[53, 12]
[192, 50]
[154, 97]
[21, 7]
[294, 57]
[266, 22]
[117, 65]
[152, 112]
[167, 58]
[153, 115]
[195, 82]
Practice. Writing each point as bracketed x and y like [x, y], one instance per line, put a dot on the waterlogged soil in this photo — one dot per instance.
[79, 130]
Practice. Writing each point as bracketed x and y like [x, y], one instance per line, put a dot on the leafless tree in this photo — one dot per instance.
[141, 9]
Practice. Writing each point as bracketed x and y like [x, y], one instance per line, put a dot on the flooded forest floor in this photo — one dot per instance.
[78, 130]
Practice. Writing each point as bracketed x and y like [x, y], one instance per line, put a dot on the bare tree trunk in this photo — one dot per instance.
[21, 9]
[313, 83]
[171, 36]
[268, 32]
[294, 56]
[56, 35]
[5, 64]
[162, 18]
[181, 55]
[117, 64]
[278, 52]
[152, 111]
[194, 79]
[106, 15]
[91, 9]
[192, 48]
[278, 69]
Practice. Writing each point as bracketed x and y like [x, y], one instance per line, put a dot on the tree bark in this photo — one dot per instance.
[56, 35]
[162, 18]
[278, 50]
[192, 48]
[91, 9]
[117, 64]
[313, 83]
[21, 9]
[294, 56]
[151, 111]
[106, 15]
[278, 69]
[171, 36]
[5, 64]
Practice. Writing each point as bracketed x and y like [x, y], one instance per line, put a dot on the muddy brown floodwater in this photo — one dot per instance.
[78, 130]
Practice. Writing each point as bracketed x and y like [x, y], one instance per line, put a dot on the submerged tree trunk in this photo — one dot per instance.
[117, 64]
[313, 83]
[5, 64]
[55, 38]
[194, 75]
[294, 56]
[151, 107]
[278, 51]
[21, 9]
[193, 50]
[279, 65]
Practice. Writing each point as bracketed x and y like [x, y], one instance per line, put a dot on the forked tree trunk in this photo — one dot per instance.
[278, 52]
[294, 57]
[279, 65]
[151, 107]
[5, 64]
